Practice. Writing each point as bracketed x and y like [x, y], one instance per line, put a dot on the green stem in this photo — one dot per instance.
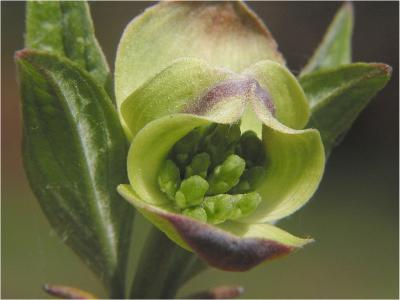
[117, 287]
[118, 281]
[163, 268]
[186, 268]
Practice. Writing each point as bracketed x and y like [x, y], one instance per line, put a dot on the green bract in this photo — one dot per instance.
[218, 150]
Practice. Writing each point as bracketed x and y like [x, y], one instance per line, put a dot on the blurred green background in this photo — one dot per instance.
[353, 216]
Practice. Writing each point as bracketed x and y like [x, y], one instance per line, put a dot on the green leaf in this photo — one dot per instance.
[335, 48]
[338, 95]
[74, 152]
[66, 28]
[225, 34]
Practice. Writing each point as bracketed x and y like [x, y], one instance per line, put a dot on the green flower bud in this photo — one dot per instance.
[183, 151]
[219, 208]
[221, 142]
[226, 175]
[169, 179]
[247, 203]
[199, 165]
[191, 192]
[197, 213]
[224, 207]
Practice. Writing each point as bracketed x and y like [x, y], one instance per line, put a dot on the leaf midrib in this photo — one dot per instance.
[97, 207]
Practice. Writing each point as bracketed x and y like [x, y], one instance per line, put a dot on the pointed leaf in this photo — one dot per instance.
[335, 48]
[231, 247]
[66, 28]
[74, 154]
[225, 34]
[338, 95]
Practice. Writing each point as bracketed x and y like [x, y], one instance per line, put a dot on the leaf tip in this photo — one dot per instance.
[386, 69]
[380, 69]
[349, 7]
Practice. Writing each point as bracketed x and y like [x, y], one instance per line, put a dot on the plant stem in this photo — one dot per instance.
[117, 285]
[118, 281]
[163, 268]
[185, 268]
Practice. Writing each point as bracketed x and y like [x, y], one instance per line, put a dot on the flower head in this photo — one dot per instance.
[218, 151]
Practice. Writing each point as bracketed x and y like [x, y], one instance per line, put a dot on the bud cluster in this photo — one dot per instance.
[212, 172]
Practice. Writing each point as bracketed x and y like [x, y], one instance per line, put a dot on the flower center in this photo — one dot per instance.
[212, 172]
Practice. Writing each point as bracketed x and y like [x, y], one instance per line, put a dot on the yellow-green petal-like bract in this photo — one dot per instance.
[225, 34]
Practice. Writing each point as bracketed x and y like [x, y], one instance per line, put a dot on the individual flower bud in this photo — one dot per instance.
[226, 175]
[224, 207]
[197, 213]
[221, 142]
[169, 179]
[247, 203]
[199, 165]
[219, 208]
[191, 192]
[185, 148]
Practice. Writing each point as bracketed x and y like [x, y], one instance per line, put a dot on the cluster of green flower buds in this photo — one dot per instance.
[212, 172]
